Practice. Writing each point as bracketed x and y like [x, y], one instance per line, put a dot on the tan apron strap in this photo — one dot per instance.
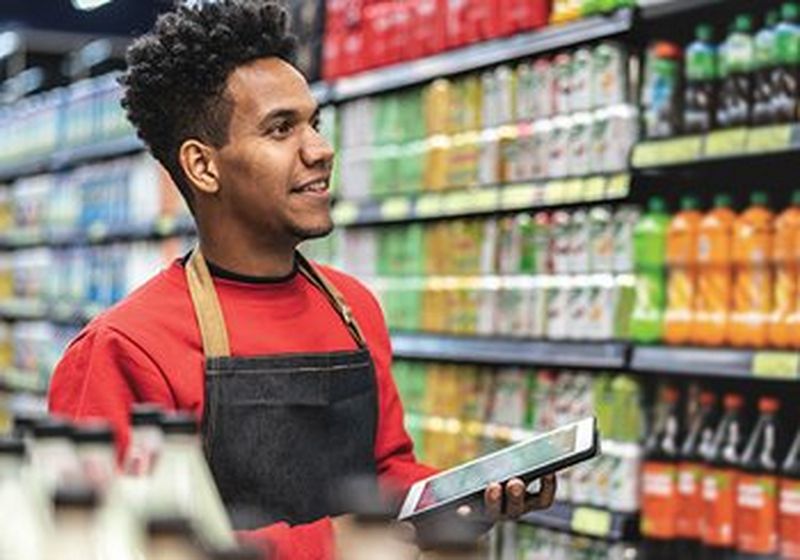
[207, 307]
[318, 279]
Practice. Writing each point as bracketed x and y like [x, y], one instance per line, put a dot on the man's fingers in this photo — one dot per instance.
[515, 498]
[493, 500]
[544, 498]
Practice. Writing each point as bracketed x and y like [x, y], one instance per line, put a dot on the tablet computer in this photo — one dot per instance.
[527, 460]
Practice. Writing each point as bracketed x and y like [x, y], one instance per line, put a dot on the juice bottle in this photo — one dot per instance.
[649, 251]
[787, 73]
[789, 503]
[736, 75]
[690, 476]
[700, 75]
[785, 266]
[766, 61]
[681, 272]
[753, 288]
[715, 275]
[757, 504]
[659, 483]
[718, 522]
[661, 90]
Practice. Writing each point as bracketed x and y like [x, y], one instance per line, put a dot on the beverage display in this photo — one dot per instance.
[681, 257]
[737, 62]
[785, 266]
[787, 72]
[661, 90]
[700, 79]
[649, 240]
[789, 503]
[765, 68]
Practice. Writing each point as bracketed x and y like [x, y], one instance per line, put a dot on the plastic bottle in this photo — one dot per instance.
[785, 266]
[649, 252]
[94, 444]
[52, 455]
[682, 253]
[146, 440]
[21, 534]
[74, 535]
[699, 106]
[736, 73]
[787, 73]
[766, 62]
[722, 459]
[659, 483]
[753, 286]
[789, 503]
[690, 476]
[661, 90]
[757, 487]
[715, 275]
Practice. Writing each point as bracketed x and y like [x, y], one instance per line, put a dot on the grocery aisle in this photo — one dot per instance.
[584, 207]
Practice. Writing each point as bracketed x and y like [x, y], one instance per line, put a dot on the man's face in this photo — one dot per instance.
[274, 170]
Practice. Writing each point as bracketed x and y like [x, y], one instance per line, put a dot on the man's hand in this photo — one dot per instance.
[517, 501]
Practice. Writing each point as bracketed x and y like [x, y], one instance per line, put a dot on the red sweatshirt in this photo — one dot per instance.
[147, 348]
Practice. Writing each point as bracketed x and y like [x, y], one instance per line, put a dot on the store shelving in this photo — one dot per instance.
[14, 380]
[586, 520]
[655, 9]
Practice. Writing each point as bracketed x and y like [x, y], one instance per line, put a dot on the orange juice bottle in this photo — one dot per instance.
[785, 268]
[753, 289]
[682, 272]
[714, 275]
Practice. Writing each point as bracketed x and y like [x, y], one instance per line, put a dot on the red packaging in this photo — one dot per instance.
[428, 27]
[522, 15]
[482, 20]
[352, 52]
[377, 30]
[457, 22]
[399, 32]
[332, 56]
[790, 519]
[757, 514]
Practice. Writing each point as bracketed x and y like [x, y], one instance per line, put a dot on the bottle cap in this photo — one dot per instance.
[769, 405]
[790, 11]
[24, 422]
[96, 432]
[704, 33]
[722, 200]
[689, 203]
[75, 496]
[656, 205]
[772, 18]
[179, 423]
[759, 198]
[733, 400]
[743, 23]
[10, 445]
[707, 398]
[146, 414]
[796, 198]
[51, 428]
[665, 49]
[671, 395]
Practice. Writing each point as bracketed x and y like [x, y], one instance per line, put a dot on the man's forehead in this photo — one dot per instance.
[268, 83]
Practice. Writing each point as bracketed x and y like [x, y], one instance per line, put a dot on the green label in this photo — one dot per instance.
[776, 365]
[769, 139]
[590, 521]
[726, 142]
[618, 186]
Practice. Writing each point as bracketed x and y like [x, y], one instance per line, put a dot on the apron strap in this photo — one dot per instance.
[209, 313]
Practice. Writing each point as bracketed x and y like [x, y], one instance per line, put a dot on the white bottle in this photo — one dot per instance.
[146, 440]
[94, 445]
[52, 454]
[74, 535]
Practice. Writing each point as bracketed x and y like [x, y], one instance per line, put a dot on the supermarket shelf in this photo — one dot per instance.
[584, 520]
[723, 145]
[15, 380]
[481, 55]
[484, 350]
[64, 313]
[69, 157]
[718, 362]
[665, 8]
[24, 309]
[483, 200]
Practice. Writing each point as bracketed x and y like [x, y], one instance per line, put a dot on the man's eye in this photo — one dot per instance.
[315, 124]
[281, 129]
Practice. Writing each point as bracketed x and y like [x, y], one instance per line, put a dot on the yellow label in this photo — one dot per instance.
[516, 196]
[681, 149]
[776, 365]
[165, 225]
[485, 199]
[345, 212]
[395, 208]
[573, 190]
[457, 202]
[555, 192]
[428, 205]
[618, 186]
[594, 188]
[769, 138]
[726, 142]
[590, 521]
[646, 154]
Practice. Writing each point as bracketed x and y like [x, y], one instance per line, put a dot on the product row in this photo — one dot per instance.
[86, 112]
[33, 348]
[748, 78]
[535, 543]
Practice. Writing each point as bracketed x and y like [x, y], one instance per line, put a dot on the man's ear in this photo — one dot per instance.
[199, 167]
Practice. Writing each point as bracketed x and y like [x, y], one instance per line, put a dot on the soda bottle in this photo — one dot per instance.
[785, 266]
[715, 275]
[766, 62]
[659, 483]
[789, 503]
[787, 73]
[699, 103]
[721, 456]
[661, 89]
[753, 287]
[757, 487]
[682, 272]
[690, 476]
[736, 75]
[649, 252]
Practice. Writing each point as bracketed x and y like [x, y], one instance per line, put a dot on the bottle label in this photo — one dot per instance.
[690, 500]
[719, 507]
[757, 514]
[790, 519]
[659, 500]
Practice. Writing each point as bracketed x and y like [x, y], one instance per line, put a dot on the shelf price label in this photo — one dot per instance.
[515, 197]
[345, 212]
[555, 192]
[769, 139]
[395, 208]
[428, 205]
[573, 190]
[618, 186]
[726, 142]
[594, 189]
[645, 154]
[591, 521]
[457, 202]
[484, 200]
[776, 365]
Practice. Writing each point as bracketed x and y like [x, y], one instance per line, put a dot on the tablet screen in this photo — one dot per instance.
[514, 461]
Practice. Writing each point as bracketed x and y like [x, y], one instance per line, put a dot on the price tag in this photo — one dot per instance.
[680, 149]
[573, 190]
[395, 208]
[97, 231]
[776, 365]
[474, 428]
[165, 225]
[618, 186]
[555, 192]
[345, 212]
[594, 188]
[457, 202]
[769, 139]
[645, 154]
[515, 197]
[428, 205]
[726, 142]
[485, 200]
[592, 522]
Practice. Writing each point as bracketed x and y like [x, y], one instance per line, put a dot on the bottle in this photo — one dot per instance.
[787, 73]
[21, 534]
[659, 483]
[711, 323]
[736, 75]
[74, 535]
[52, 455]
[718, 523]
[182, 484]
[172, 538]
[766, 62]
[146, 439]
[661, 90]
[757, 487]
[699, 105]
[681, 272]
[94, 444]
[690, 477]
[649, 252]
[789, 503]
[753, 286]
[785, 266]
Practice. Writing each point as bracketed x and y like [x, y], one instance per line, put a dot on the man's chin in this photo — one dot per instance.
[317, 232]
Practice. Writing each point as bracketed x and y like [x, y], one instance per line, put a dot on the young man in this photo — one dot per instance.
[287, 362]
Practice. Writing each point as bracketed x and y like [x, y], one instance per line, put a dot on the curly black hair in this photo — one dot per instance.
[174, 85]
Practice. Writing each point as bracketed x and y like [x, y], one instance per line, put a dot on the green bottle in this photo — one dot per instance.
[649, 257]
[787, 73]
[737, 59]
[700, 76]
[766, 63]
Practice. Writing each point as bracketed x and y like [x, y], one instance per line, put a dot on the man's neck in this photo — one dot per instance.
[264, 261]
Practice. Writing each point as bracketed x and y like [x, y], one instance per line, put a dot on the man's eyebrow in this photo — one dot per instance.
[288, 114]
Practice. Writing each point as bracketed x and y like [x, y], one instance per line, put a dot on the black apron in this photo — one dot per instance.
[280, 432]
